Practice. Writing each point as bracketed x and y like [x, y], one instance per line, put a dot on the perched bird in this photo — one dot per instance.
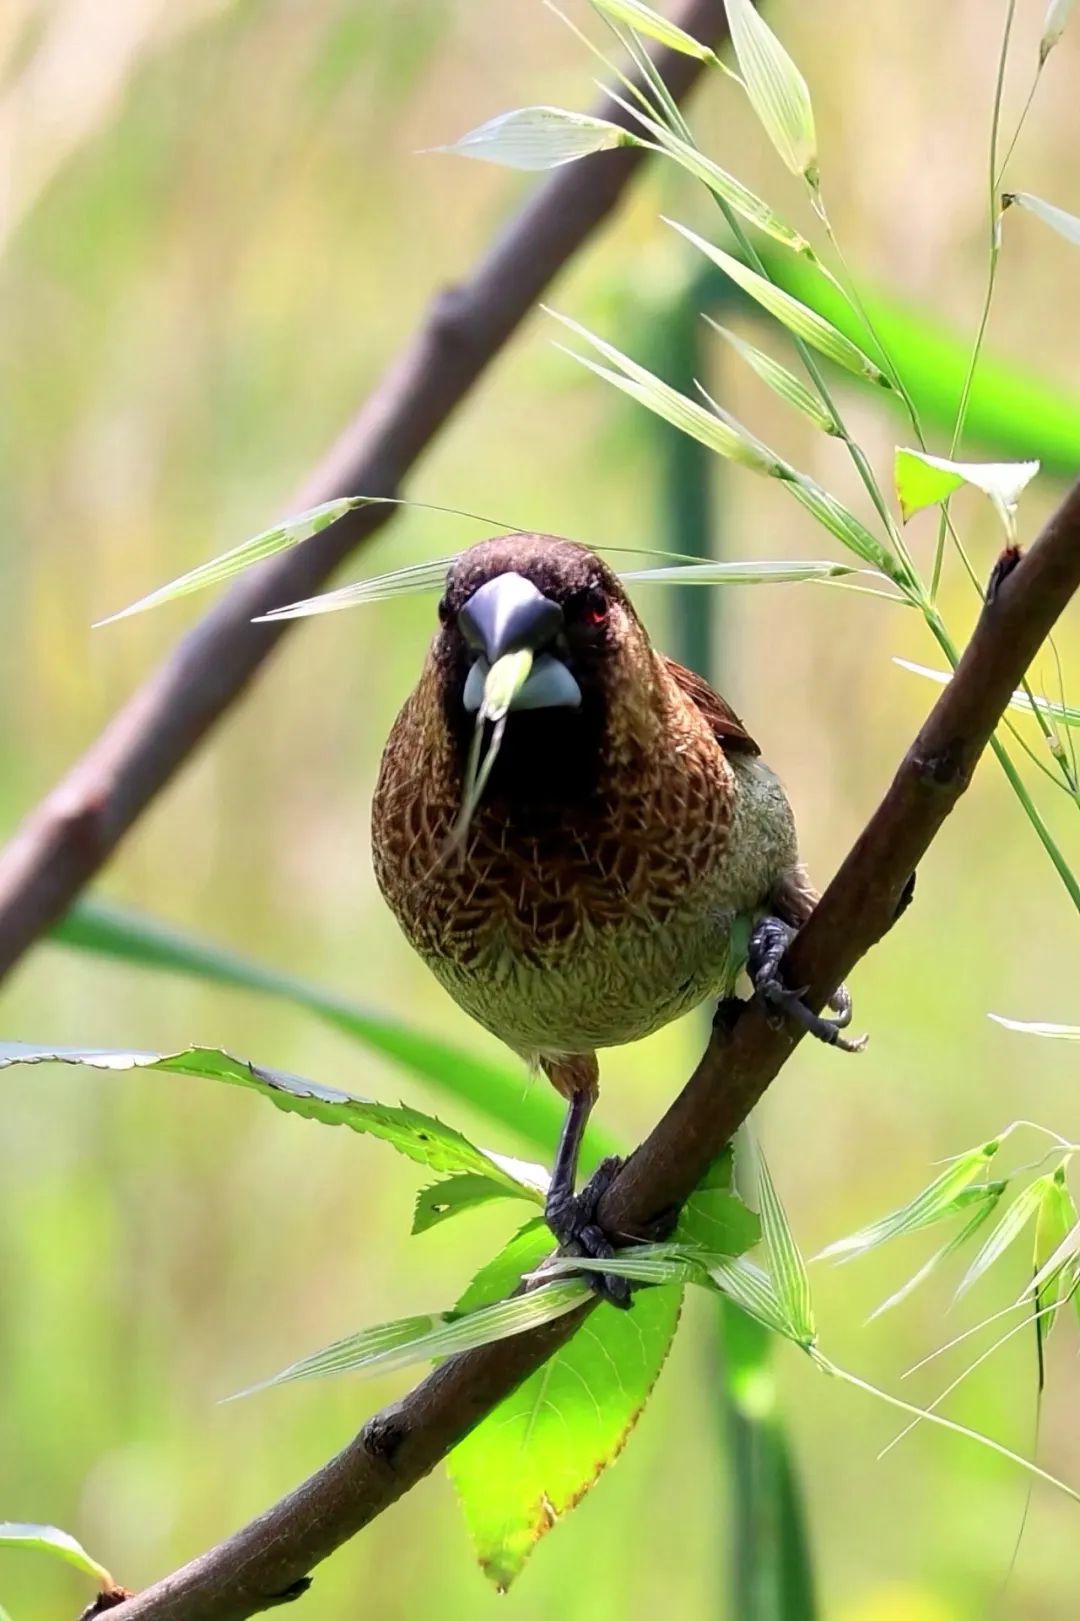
[629, 852]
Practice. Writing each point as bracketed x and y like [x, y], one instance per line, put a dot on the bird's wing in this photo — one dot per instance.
[727, 728]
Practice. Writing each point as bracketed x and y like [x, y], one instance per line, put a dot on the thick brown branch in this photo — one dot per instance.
[69, 836]
[401, 1444]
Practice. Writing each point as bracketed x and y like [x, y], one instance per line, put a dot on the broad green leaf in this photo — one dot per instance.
[1057, 1032]
[779, 379]
[1055, 1220]
[644, 20]
[727, 439]
[1066, 225]
[923, 481]
[49, 1539]
[259, 547]
[985, 1203]
[1011, 1225]
[746, 203]
[798, 318]
[786, 1265]
[1057, 15]
[539, 138]
[936, 1200]
[767, 573]
[531, 1459]
[534, 1112]
[776, 88]
[450, 1197]
[1019, 700]
[419, 1136]
[409, 1340]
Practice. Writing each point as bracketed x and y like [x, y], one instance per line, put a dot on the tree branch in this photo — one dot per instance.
[400, 1445]
[71, 834]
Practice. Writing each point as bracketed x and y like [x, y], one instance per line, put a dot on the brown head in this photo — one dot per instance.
[592, 694]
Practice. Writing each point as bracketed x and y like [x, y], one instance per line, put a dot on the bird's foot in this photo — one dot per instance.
[572, 1219]
[768, 942]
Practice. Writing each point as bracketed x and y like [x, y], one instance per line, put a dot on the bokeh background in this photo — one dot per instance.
[216, 229]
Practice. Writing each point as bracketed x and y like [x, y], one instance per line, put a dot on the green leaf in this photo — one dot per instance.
[1019, 700]
[1066, 225]
[779, 379]
[938, 1199]
[725, 437]
[923, 481]
[279, 539]
[392, 1346]
[844, 525]
[767, 573]
[985, 1203]
[786, 1265]
[419, 1136]
[746, 203]
[534, 1112]
[401, 582]
[1055, 1221]
[49, 1539]
[1011, 1225]
[1056, 1032]
[776, 88]
[1057, 15]
[449, 1198]
[798, 318]
[539, 138]
[531, 1459]
[752, 1289]
[644, 20]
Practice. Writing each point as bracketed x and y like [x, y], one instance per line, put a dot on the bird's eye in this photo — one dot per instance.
[444, 610]
[591, 608]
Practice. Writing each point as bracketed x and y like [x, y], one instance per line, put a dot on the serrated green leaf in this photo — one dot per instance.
[746, 203]
[936, 1200]
[450, 1197]
[1057, 15]
[1019, 700]
[782, 382]
[798, 318]
[391, 1346]
[1066, 225]
[50, 1539]
[924, 481]
[267, 544]
[539, 138]
[1011, 1225]
[985, 1202]
[786, 1265]
[421, 1137]
[776, 88]
[1055, 1032]
[644, 20]
[531, 1459]
[725, 437]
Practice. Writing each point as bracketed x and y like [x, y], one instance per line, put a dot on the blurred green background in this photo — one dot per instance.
[216, 229]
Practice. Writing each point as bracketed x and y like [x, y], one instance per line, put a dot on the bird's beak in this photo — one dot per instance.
[508, 616]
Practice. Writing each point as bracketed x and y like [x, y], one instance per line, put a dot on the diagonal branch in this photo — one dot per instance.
[399, 1446]
[73, 832]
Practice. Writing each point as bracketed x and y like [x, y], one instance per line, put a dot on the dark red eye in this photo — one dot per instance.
[593, 610]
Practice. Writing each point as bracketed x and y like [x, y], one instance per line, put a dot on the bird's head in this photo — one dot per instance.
[591, 670]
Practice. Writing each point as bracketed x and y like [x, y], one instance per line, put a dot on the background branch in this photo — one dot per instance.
[258, 1565]
[71, 834]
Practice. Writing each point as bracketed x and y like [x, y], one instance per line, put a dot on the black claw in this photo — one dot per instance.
[768, 942]
[573, 1221]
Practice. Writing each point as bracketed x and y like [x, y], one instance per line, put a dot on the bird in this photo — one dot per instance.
[629, 851]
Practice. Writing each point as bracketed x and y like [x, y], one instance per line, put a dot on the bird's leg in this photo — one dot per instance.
[572, 1216]
[769, 940]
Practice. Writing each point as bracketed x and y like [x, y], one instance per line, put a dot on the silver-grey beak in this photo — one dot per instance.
[508, 615]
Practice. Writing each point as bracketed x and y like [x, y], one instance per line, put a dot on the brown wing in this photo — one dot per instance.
[727, 728]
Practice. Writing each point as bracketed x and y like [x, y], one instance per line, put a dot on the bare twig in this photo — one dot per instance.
[70, 835]
[270, 1558]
